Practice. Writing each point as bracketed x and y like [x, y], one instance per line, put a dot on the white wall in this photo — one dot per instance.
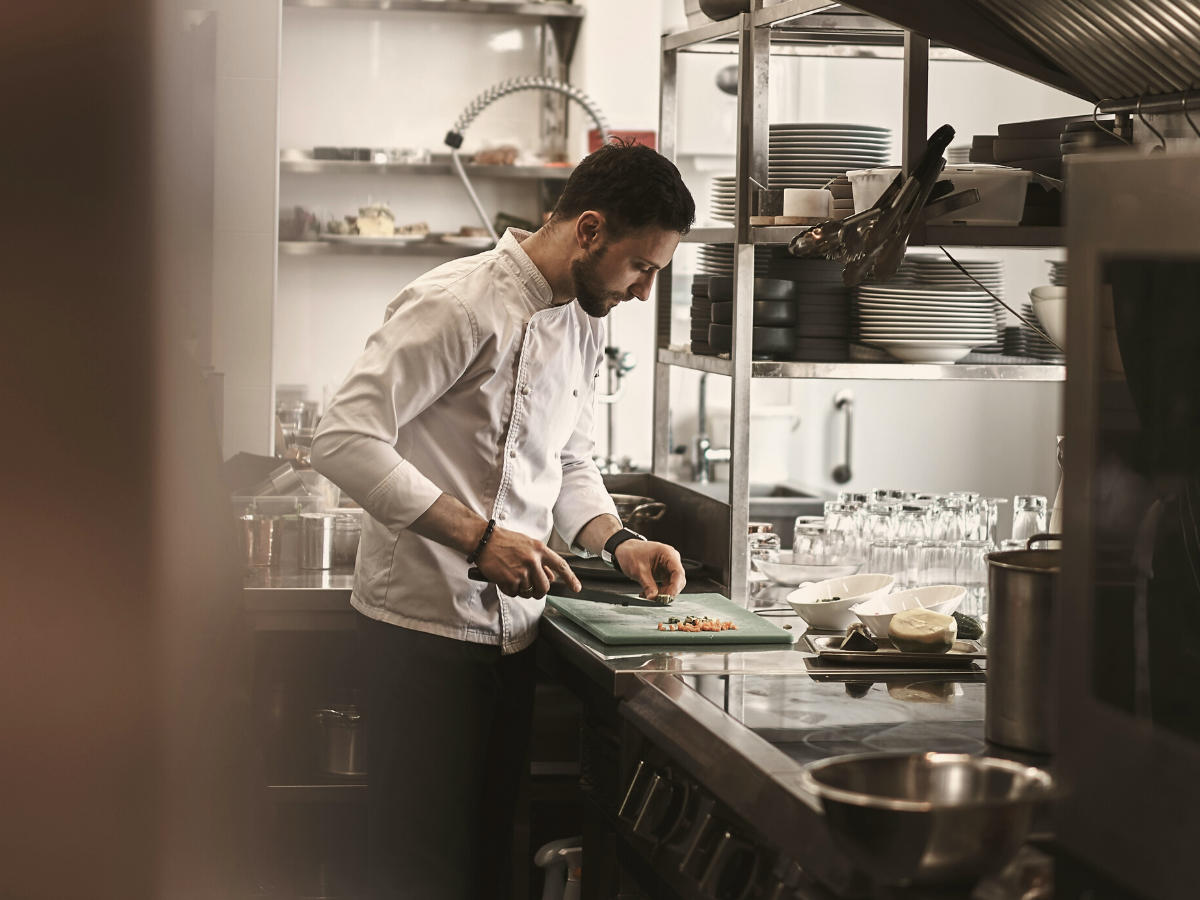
[245, 221]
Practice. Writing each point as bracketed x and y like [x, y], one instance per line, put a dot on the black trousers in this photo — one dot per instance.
[447, 739]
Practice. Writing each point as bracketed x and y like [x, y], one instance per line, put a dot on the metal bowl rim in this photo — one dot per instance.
[1041, 782]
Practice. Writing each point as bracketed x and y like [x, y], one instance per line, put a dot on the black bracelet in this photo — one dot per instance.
[482, 542]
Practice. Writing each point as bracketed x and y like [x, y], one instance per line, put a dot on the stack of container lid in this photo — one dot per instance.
[774, 317]
[701, 316]
[822, 307]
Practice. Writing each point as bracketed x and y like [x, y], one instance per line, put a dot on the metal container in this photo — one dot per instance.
[317, 545]
[934, 819]
[636, 512]
[1020, 638]
[261, 539]
[347, 530]
[342, 740]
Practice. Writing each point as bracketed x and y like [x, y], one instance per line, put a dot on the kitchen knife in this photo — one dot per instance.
[558, 589]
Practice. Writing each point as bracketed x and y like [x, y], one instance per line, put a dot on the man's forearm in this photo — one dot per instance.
[595, 534]
[450, 523]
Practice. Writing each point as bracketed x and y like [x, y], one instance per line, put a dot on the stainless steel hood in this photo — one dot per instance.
[1095, 49]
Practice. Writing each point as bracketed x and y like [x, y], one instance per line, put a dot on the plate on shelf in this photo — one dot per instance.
[826, 646]
[479, 242]
[395, 240]
[943, 353]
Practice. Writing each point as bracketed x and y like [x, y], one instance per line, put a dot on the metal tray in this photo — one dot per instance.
[963, 653]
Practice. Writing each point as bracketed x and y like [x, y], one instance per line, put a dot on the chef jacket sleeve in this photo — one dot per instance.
[420, 352]
[583, 495]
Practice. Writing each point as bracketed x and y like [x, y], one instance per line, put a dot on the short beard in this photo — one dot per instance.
[593, 297]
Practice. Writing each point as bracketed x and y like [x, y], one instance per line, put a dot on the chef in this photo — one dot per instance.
[465, 432]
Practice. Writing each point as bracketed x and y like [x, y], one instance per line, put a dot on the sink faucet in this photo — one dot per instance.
[704, 454]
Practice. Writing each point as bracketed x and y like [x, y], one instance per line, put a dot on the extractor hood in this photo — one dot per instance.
[1094, 49]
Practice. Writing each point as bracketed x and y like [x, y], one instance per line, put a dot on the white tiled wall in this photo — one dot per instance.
[244, 246]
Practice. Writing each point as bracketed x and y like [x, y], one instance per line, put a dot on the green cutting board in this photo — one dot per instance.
[613, 623]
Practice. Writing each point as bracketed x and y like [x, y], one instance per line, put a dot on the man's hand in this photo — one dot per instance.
[656, 567]
[521, 566]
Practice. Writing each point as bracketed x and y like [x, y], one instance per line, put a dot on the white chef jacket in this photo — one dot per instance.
[477, 387]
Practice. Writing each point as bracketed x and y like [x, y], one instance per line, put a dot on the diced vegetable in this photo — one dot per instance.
[969, 627]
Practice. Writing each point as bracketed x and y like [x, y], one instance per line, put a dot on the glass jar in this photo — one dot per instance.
[841, 532]
[1030, 516]
[808, 543]
[761, 545]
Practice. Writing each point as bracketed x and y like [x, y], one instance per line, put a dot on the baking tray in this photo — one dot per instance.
[963, 653]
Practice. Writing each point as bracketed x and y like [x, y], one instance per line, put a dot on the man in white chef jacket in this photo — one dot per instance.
[465, 431]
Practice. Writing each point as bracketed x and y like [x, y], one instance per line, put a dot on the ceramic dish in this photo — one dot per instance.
[811, 601]
[877, 613]
[1050, 307]
[784, 572]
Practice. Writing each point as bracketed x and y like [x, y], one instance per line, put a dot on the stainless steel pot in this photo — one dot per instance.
[262, 539]
[342, 741]
[317, 543]
[1020, 638]
[637, 511]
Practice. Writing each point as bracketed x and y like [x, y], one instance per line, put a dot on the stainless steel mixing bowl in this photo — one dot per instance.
[933, 819]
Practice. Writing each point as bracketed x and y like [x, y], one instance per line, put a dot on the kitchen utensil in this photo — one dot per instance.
[784, 571]
[877, 613]
[282, 482]
[829, 647]
[342, 744]
[261, 539]
[1020, 688]
[614, 623]
[813, 603]
[927, 818]
[317, 540]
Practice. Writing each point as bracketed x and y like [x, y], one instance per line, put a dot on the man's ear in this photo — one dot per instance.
[589, 229]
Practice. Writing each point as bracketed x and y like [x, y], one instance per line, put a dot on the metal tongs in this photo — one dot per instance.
[876, 238]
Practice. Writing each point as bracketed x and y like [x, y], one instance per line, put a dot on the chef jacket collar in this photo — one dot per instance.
[533, 280]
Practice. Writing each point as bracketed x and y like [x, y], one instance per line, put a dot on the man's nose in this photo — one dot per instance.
[642, 287]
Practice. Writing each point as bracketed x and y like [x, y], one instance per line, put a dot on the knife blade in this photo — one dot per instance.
[558, 589]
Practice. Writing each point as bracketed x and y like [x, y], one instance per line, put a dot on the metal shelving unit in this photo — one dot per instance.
[415, 248]
[812, 27]
[544, 10]
[440, 165]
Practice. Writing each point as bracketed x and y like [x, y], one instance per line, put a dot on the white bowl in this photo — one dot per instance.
[877, 613]
[1050, 307]
[784, 572]
[924, 351]
[811, 602]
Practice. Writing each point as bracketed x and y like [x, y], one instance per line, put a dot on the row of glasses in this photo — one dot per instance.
[923, 563]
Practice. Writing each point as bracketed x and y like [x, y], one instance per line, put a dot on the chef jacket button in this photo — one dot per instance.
[502, 516]
[512, 453]
[575, 393]
[524, 389]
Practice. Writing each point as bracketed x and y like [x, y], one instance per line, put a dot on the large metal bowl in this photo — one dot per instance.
[931, 819]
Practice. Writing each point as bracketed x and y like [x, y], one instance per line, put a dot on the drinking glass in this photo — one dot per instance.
[761, 545]
[912, 528]
[1011, 544]
[808, 542]
[841, 532]
[888, 558]
[950, 520]
[971, 572]
[879, 524]
[935, 563]
[1029, 516]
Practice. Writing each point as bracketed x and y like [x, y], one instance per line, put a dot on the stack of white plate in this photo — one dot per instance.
[924, 324]
[724, 196]
[936, 270]
[717, 259]
[1058, 272]
[810, 154]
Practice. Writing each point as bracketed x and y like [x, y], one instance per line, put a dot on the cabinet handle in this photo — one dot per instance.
[843, 401]
[628, 804]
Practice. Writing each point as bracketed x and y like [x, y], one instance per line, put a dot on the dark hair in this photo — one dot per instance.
[632, 185]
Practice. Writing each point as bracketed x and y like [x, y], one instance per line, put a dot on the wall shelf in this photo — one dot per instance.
[949, 235]
[549, 10]
[416, 248]
[679, 356]
[439, 166]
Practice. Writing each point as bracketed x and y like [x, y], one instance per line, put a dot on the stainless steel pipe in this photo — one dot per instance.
[1020, 638]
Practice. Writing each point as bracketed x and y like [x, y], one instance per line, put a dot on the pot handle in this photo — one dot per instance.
[1044, 536]
[651, 512]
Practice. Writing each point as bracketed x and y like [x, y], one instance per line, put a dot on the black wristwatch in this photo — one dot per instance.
[609, 553]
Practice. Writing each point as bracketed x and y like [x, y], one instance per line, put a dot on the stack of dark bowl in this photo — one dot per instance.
[822, 329]
[701, 316]
[774, 317]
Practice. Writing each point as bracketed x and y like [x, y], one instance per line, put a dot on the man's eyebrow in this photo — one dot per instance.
[647, 262]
